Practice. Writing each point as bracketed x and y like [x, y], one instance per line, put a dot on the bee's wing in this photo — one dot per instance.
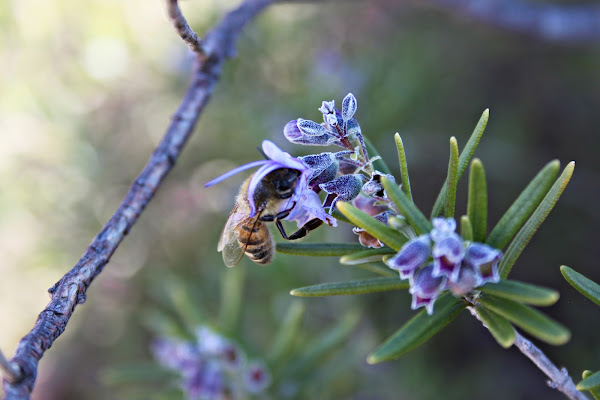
[229, 243]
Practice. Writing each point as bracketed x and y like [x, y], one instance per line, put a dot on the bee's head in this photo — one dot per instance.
[284, 182]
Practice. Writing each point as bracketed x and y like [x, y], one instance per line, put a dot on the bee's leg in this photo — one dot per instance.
[279, 216]
[300, 233]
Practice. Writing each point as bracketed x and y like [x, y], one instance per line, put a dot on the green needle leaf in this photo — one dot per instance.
[376, 228]
[366, 256]
[403, 166]
[418, 329]
[379, 164]
[339, 216]
[522, 292]
[591, 382]
[498, 326]
[452, 179]
[379, 268]
[528, 319]
[463, 161]
[533, 223]
[477, 202]
[319, 249]
[407, 208]
[466, 229]
[287, 332]
[360, 286]
[585, 286]
[523, 207]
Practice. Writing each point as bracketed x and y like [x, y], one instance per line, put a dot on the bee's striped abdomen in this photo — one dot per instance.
[257, 242]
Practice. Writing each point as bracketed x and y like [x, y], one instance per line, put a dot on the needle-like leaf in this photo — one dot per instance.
[477, 202]
[403, 166]
[418, 329]
[366, 256]
[376, 228]
[407, 208]
[466, 229]
[528, 319]
[533, 223]
[319, 249]
[585, 286]
[498, 326]
[463, 161]
[522, 292]
[591, 382]
[524, 206]
[451, 179]
[360, 286]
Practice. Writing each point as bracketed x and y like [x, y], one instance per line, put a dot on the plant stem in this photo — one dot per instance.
[559, 378]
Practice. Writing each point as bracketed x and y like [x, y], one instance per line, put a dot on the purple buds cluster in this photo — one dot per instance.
[341, 175]
[212, 367]
[440, 261]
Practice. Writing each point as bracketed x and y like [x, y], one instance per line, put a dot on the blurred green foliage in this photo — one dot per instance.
[87, 90]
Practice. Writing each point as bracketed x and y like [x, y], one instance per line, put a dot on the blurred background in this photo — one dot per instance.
[87, 89]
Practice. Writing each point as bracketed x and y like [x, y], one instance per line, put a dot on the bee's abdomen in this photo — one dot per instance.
[258, 242]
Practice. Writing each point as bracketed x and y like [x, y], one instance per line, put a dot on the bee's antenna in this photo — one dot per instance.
[262, 152]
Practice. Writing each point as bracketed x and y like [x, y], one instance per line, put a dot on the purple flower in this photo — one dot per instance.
[374, 186]
[304, 198]
[411, 256]
[442, 227]
[332, 117]
[324, 167]
[348, 107]
[448, 252]
[425, 288]
[309, 207]
[293, 133]
[369, 205]
[468, 279]
[345, 188]
[484, 260]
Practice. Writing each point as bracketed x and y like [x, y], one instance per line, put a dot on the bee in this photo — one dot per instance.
[248, 235]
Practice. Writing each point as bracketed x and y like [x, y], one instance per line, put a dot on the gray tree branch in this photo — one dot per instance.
[66, 294]
[559, 378]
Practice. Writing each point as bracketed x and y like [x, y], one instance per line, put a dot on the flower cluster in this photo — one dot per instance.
[341, 175]
[441, 261]
[212, 367]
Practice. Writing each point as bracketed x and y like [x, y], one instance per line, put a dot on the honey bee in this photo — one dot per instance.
[248, 235]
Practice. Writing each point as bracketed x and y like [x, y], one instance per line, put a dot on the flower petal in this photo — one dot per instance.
[484, 259]
[235, 171]
[346, 187]
[294, 135]
[308, 206]
[468, 279]
[448, 253]
[425, 288]
[442, 227]
[311, 128]
[411, 256]
[348, 106]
